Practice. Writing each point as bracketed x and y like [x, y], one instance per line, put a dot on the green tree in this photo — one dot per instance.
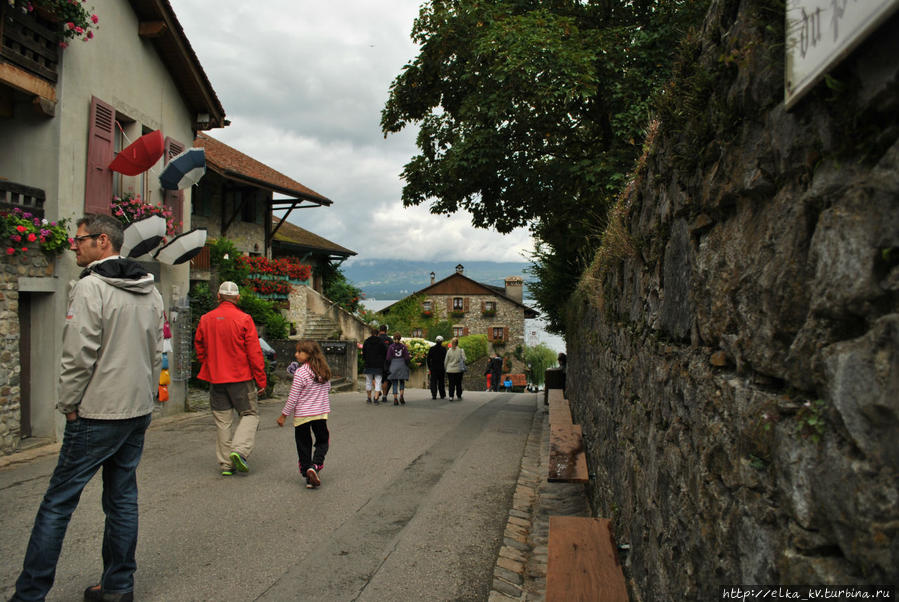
[336, 287]
[538, 359]
[531, 113]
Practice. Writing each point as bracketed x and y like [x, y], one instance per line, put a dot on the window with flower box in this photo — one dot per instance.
[497, 334]
[488, 308]
[459, 331]
[417, 333]
[427, 309]
[458, 304]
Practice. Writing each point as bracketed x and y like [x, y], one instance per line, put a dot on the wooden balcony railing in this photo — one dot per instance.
[201, 261]
[29, 41]
[25, 198]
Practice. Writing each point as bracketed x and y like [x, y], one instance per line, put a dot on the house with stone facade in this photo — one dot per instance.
[138, 74]
[473, 307]
[236, 200]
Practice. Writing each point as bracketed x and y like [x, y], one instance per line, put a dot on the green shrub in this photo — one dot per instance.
[475, 346]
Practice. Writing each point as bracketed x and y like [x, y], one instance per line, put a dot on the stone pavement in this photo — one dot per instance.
[520, 571]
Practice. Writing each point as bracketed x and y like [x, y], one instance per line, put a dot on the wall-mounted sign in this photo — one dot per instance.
[820, 33]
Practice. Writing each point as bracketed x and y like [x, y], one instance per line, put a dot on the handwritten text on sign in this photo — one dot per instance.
[821, 32]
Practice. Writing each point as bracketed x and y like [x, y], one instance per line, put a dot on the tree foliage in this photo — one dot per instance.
[531, 113]
[337, 288]
[538, 359]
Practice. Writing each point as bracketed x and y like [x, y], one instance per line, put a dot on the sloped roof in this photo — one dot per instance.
[468, 283]
[233, 164]
[294, 235]
[161, 27]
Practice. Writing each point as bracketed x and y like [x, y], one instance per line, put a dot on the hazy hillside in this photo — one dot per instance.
[396, 278]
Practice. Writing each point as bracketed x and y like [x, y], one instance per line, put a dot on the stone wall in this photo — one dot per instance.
[33, 264]
[735, 360]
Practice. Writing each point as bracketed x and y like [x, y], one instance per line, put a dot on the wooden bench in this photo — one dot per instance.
[583, 561]
[567, 456]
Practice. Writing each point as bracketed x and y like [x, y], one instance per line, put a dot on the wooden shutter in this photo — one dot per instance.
[174, 199]
[483, 306]
[465, 331]
[465, 304]
[449, 305]
[505, 333]
[100, 153]
[490, 333]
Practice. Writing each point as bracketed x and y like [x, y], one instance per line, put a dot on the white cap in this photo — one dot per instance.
[229, 288]
[439, 338]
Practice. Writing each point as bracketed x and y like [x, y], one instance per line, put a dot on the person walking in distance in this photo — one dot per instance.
[310, 405]
[374, 355]
[436, 371]
[109, 375]
[386, 341]
[495, 369]
[398, 359]
[228, 348]
[455, 368]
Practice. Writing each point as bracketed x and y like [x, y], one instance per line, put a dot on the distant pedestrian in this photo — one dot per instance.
[436, 370]
[385, 379]
[227, 346]
[495, 371]
[374, 356]
[109, 377]
[454, 363]
[310, 405]
[563, 364]
[398, 360]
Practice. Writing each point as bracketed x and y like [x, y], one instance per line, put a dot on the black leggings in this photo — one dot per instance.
[455, 384]
[303, 436]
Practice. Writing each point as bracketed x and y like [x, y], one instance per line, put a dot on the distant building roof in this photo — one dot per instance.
[295, 236]
[450, 285]
[233, 164]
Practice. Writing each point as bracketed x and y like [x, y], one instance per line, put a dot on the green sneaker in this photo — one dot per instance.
[240, 463]
[227, 472]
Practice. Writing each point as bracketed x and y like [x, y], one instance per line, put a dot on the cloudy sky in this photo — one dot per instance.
[303, 84]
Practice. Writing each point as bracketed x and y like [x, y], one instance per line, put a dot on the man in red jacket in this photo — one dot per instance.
[228, 347]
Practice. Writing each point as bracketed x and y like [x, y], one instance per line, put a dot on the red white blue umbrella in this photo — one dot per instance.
[184, 170]
[183, 247]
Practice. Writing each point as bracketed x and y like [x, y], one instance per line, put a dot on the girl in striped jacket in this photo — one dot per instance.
[310, 405]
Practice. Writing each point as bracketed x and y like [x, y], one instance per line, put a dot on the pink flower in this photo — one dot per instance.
[79, 30]
[90, 35]
[70, 25]
[24, 249]
[95, 19]
[10, 250]
[32, 237]
[21, 229]
[63, 45]
[16, 238]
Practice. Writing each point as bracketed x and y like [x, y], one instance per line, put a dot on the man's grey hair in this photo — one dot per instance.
[104, 224]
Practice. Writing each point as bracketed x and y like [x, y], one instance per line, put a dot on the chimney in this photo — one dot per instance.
[515, 288]
[459, 269]
[433, 276]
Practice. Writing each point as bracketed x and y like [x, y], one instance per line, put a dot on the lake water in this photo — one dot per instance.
[534, 330]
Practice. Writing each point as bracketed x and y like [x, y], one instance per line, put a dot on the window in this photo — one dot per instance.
[201, 201]
[457, 331]
[458, 304]
[426, 306]
[499, 333]
[417, 333]
[490, 306]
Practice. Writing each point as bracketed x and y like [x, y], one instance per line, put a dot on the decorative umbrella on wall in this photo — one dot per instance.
[183, 247]
[140, 155]
[184, 170]
[143, 236]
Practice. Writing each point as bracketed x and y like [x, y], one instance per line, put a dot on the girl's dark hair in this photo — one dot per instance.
[316, 360]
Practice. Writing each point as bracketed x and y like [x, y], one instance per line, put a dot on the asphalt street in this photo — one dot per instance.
[413, 505]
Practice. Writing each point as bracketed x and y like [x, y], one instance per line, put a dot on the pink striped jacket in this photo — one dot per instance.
[307, 397]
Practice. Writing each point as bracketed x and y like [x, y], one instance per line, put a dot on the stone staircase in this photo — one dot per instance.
[320, 328]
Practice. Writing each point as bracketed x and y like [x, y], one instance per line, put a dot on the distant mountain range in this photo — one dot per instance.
[397, 278]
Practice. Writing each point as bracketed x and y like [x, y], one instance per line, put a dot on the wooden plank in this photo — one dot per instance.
[567, 458]
[556, 394]
[559, 412]
[583, 561]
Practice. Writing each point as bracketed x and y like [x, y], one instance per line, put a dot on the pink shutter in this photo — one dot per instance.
[100, 153]
[174, 199]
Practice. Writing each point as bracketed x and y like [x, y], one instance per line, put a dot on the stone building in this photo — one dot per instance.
[476, 308]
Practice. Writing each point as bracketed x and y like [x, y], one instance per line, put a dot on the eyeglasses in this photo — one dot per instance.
[79, 239]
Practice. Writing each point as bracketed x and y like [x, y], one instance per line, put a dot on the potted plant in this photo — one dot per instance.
[74, 19]
[22, 231]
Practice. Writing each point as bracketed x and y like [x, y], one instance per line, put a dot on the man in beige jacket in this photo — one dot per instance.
[111, 359]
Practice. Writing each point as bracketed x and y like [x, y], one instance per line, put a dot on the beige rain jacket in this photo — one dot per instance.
[111, 343]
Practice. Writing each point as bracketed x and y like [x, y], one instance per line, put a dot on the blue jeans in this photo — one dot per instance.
[88, 445]
[398, 384]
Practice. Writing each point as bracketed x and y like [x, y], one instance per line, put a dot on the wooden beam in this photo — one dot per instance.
[152, 29]
[45, 92]
[582, 562]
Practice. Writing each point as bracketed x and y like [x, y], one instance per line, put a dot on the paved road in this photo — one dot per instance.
[412, 507]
